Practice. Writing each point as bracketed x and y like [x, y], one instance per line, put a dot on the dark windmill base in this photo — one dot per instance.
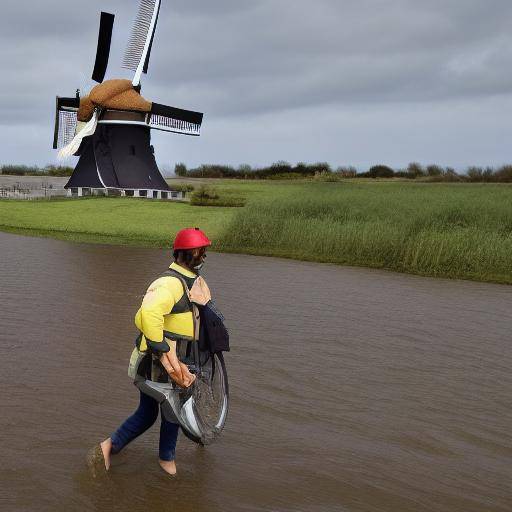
[118, 159]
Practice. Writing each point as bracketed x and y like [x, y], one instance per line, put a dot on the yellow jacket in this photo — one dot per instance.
[154, 318]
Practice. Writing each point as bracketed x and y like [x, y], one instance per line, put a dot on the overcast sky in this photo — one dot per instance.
[351, 82]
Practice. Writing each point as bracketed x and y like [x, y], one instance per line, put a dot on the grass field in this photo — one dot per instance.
[449, 230]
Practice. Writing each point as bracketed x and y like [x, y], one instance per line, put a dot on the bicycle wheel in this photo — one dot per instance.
[208, 408]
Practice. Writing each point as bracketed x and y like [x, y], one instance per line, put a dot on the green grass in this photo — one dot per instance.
[110, 220]
[448, 230]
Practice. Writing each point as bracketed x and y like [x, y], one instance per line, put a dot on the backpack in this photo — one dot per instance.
[213, 334]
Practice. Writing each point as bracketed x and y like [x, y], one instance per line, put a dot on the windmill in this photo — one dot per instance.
[110, 128]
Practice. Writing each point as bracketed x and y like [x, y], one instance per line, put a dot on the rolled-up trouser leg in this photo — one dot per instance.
[145, 415]
[168, 437]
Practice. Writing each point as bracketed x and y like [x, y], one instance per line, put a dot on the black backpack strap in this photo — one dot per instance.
[183, 305]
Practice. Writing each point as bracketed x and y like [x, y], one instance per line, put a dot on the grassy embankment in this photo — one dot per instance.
[459, 230]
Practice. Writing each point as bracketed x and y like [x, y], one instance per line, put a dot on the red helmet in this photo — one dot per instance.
[190, 238]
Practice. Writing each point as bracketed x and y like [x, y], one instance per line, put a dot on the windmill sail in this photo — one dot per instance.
[66, 110]
[177, 120]
[109, 129]
[148, 54]
[103, 48]
[161, 117]
[138, 51]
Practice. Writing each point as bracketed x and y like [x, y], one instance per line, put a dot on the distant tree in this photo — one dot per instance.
[20, 170]
[180, 169]
[415, 170]
[450, 174]
[302, 168]
[244, 169]
[380, 171]
[504, 174]
[320, 167]
[434, 170]
[346, 172]
[281, 166]
[475, 174]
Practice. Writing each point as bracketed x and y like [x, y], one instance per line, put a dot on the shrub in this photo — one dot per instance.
[381, 171]
[58, 170]
[180, 169]
[346, 172]
[449, 175]
[415, 170]
[434, 170]
[204, 192]
[286, 176]
[244, 169]
[322, 171]
[504, 174]
[207, 196]
[320, 167]
[213, 171]
[281, 167]
[20, 170]
[327, 176]
[478, 174]
[182, 187]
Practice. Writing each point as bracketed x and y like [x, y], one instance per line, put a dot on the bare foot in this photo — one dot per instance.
[169, 466]
[106, 448]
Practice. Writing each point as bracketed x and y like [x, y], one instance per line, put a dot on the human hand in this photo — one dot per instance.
[177, 370]
[188, 378]
[172, 367]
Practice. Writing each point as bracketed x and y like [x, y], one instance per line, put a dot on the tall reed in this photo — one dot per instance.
[462, 231]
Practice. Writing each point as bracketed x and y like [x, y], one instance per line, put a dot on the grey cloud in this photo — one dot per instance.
[239, 60]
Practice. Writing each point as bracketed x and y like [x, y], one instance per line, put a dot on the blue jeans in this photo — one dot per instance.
[143, 418]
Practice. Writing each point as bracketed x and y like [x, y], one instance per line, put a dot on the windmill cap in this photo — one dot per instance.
[190, 238]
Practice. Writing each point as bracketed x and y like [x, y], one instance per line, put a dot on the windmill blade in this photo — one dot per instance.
[137, 52]
[148, 54]
[177, 120]
[103, 48]
[66, 110]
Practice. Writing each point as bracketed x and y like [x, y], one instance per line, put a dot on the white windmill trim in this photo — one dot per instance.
[98, 172]
[86, 131]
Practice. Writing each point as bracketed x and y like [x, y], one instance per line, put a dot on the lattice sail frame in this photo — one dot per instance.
[138, 51]
[66, 112]
[175, 120]
[161, 117]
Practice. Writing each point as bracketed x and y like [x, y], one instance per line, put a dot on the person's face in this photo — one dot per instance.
[198, 257]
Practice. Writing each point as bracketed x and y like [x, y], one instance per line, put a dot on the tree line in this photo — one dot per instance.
[33, 170]
[322, 170]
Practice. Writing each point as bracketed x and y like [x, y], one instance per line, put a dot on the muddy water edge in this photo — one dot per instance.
[351, 389]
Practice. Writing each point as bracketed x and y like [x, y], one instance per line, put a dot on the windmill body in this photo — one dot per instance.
[110, 128]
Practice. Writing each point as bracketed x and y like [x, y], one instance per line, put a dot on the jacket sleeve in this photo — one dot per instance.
[158, 302]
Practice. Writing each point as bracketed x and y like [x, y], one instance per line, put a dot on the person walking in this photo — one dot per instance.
[163, 319]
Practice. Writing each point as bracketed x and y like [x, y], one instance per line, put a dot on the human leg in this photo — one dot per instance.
[145, 415]
[167, 446]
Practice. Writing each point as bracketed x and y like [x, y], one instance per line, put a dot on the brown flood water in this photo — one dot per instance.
[351, 389]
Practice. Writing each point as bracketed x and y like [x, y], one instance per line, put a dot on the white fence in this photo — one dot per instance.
[17, 191]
